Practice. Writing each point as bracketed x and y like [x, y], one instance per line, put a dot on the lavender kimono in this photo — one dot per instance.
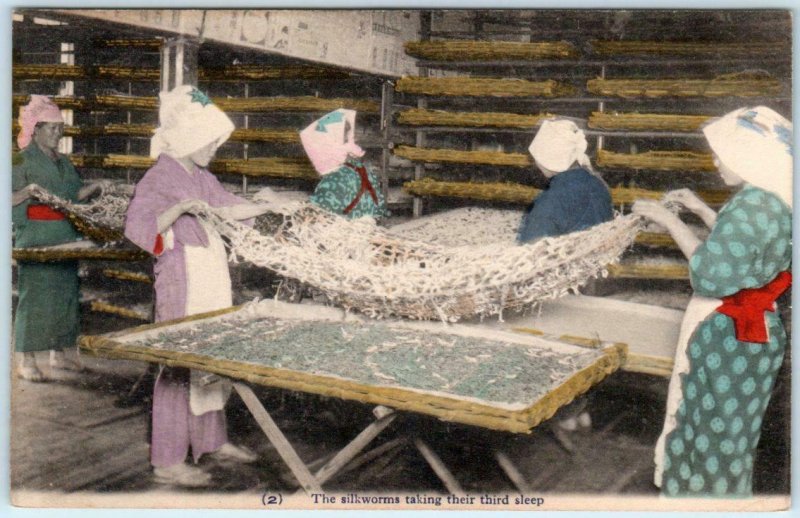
[175, 426]
[164, 185]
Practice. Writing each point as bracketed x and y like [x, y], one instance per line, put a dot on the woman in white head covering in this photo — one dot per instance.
[191, 272]
[575, 197]
[732, 340]
[348, 186]
[47, 316]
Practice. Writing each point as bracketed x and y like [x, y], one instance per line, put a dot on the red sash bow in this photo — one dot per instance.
[366, 186]
[43, 213]
[746, 307]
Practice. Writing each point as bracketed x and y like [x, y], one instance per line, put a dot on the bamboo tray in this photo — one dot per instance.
[505, 408]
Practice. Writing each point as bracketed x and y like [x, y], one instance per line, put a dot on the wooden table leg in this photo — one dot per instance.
[512, 472]
[439, 468]
[276, 437]
[354, 447]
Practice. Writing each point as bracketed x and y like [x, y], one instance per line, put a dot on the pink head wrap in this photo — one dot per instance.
[325, 141]
[39, 109]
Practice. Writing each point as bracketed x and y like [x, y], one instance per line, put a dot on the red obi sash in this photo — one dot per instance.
[44, 213]
[746, 307]
[366, 186]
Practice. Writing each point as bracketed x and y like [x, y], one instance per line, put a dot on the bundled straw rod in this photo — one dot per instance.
[468, 50]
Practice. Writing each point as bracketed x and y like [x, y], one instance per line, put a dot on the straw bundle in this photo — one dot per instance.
[719, 87]
[150, 43]
[684, 48]
[69, 131]
[649, 271]
[463, 157]
[423, 117]
[655, 239]
[260, 73]
[146, 130]
[74, 103]
[61, 254]
[281, 167]
[126, 102]
[482, 86]
[506, 192]
[62, 72]
[125, 275]
[302, 104]
[104, 307]
[466, 50]
[523, 194]
[647, 121]
[657, 160]
[127, 73]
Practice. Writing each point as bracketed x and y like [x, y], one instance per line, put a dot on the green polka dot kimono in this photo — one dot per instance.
[728, 386]
[338, 189]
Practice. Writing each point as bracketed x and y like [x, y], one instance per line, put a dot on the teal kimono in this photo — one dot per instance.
[352, 190]
[47, 315]
[729, 383]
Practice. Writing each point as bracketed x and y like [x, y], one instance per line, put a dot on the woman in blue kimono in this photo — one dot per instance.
[576, 198]
[732, 340]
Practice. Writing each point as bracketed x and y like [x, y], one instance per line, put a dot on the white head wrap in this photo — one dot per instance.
[188, 121]
[756, 144]
[326, 143]
[558, 144]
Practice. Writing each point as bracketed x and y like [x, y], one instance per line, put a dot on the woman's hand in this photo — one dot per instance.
[680, 232]
[97, 186]
[191, 206]
[242, 211]
[23, 194]
[654, 211]
[692, 202]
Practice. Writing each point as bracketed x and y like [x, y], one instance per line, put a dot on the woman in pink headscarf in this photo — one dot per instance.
[191, 274]
[348, 186]
[47, 310]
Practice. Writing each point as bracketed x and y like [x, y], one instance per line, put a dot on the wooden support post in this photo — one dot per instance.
[276, 437]
[356, 445]
[438, 467]
[512, 472]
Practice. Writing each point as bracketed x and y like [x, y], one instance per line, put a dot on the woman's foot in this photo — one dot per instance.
[59, 360]
[30, 373]
[569, 424]
[232, 452]
[182, 475]
[585, 420]
[28, 370]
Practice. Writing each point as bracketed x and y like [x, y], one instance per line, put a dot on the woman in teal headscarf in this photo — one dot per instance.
[47, 310]
[732, 339]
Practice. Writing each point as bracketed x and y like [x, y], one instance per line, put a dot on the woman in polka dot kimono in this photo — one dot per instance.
[732, 339]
